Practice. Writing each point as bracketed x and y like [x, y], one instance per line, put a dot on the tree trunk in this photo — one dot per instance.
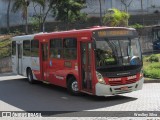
[8, 16]
[26, 21]
[142, 5]
[100, 7]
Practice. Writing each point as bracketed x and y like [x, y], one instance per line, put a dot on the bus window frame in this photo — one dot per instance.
[25, 49]
[51, 48]
[14, 46]
[37, 55]
[73, 38]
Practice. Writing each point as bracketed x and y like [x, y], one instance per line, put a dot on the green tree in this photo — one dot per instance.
[45, 7]
[69, 10]
[115, 17]
[22, 5]
[8, 15]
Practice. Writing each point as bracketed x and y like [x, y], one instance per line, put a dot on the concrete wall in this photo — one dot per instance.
[16, 18]
[5, 65]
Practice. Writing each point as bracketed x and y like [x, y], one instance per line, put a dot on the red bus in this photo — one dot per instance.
[98, 61]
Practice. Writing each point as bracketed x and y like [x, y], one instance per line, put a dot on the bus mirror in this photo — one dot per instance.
[93, 43]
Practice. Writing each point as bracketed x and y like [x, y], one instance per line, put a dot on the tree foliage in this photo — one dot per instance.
[45, 7]
[20, 5]
[64, 10]
[69, 10]
[115, 17]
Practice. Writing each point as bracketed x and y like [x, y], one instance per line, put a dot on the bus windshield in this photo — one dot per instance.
[117, 52]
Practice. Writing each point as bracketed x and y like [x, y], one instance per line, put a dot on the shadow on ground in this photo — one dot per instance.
[42, 97]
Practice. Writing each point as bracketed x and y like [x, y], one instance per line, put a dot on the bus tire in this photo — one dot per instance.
[30, 76]
[72, 86]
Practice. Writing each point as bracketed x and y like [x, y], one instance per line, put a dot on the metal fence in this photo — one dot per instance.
[146, 44]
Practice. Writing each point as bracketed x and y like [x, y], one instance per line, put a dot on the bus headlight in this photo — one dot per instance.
[100, 78]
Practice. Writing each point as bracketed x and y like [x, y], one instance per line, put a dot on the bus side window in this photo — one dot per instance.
[34, 48]
[56, 48]
[70, 48]
[26, 48]
[13, 47]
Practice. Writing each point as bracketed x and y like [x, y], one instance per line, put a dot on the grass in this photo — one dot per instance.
[5, 46]
[151, 66]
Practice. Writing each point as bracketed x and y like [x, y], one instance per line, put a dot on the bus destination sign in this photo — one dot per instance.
[113, 33]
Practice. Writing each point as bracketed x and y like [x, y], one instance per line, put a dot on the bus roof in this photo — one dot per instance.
[74, 31]
[77, 32]
[91, 29]
[26, 37]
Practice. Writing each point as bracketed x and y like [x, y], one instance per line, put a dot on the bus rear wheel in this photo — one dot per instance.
[30, 76]
[72, 86]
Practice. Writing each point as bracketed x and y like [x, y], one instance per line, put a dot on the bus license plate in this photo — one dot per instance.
[124, 88]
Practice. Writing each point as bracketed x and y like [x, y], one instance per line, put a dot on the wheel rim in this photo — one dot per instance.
[75, 86]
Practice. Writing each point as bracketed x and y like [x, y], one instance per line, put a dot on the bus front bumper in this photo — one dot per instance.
[107, 90]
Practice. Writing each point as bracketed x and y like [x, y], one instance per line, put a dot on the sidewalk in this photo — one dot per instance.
[6, 74]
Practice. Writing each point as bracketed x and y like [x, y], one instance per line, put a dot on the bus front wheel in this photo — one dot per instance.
[30, 76]
[72, 86]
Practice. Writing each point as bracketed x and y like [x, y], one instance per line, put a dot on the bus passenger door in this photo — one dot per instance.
[19, 59]
[86, 66]
[44, 48]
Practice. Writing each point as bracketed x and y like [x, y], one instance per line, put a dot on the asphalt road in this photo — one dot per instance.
[16, 94]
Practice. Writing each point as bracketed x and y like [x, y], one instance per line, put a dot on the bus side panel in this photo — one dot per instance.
[26, 62]
[14, 64]
[56, 72]
[59, 72]
[35, 66]
[14, 57]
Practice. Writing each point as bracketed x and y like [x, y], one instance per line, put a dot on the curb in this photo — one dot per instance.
[152, 81]
[6, 74]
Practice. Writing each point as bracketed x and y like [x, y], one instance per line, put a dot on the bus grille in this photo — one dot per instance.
[122, 82]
